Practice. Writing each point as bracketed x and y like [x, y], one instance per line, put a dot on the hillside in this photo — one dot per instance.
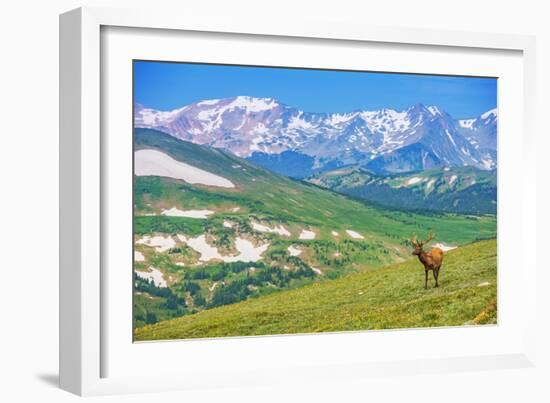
[391, 297]
[465, 190]
[230, 231]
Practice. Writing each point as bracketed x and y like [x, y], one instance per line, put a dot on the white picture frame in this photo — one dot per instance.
[83, 306]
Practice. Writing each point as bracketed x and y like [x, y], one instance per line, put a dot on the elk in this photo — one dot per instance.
[431, 260]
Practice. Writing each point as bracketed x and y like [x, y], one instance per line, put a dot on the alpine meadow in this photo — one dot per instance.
[277, 201]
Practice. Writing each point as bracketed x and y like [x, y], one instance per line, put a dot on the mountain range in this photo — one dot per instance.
[299, 144]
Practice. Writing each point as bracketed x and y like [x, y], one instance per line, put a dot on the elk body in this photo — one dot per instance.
[431, 260]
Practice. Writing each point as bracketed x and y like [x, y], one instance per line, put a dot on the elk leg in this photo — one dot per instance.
[426, 279]
[435, 278]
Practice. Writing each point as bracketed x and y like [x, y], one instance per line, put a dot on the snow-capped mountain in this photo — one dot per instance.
[482, 133]
[275, 135]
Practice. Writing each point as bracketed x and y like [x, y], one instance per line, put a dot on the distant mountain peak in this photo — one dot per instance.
[246, 124]
[253, 104]
[434, 110]
[241, 101]
[491, 113]
[208, 102]
[416, 108]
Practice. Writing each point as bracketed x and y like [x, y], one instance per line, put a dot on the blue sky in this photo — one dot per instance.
[167, 86]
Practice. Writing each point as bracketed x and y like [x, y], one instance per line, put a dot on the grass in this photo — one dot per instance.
[274, 200]
[271, 197]
[459, 189]
[391, 297]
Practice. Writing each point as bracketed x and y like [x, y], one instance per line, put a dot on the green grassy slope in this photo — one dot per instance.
[391, 297]
[464, 190]
[272, 197]
[273, 200]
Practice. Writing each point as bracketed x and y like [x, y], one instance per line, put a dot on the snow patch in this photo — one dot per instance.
[260, 129]
[452, 180]
[154, 274]
[159, 242]
[206, 114]
[487, 163]
[412, 181]
[487, 114]
[299, 123]
[317, 270]
[354, 234]
[156, 163]
[434, 110]
[336, 118]
[467, 123]
[294, 251]
[175, 212]
[444, 247]
[138, 256]
[450, 137]
[209, 102]
[247, 252]
[275, 230]
[252, 104]
[150, 117]
[334, 233]
[386, 120]
[307, 234]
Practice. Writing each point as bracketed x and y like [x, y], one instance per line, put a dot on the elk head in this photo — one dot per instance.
[417, 245]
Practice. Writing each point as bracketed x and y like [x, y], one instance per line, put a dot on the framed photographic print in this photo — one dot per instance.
[239, 197]
[225, 211]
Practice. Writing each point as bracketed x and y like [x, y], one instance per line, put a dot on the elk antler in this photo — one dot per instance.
[413, 240]
[430, 237]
